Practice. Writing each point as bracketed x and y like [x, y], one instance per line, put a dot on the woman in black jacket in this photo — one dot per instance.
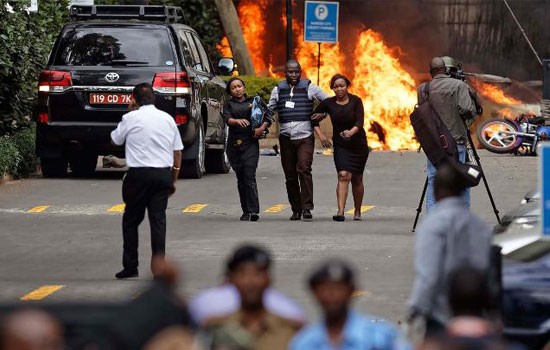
[243, 148]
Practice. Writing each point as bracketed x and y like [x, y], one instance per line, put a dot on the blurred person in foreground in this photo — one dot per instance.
[253, 326]
[31, 329]
[333, 284]
[449, 237]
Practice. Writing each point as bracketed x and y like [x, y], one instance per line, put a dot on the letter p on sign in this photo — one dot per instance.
[321, 12]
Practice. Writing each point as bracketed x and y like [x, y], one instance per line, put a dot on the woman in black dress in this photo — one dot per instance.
[350, 142]
[243, 149]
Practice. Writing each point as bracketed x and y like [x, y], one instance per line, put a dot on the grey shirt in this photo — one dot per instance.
[297, 130]
[449, 237]
[451, 99]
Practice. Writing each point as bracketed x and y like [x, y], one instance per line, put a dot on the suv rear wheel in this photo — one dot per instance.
[194, 168]
[216, 159]
[83, 164]
[53, 167]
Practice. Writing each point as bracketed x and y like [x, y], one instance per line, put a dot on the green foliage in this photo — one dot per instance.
[25, 42]
[202, 15]
[259, 85]
[24, 141]
[9, 157]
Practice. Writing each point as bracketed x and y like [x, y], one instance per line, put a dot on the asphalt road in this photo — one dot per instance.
[61, 238]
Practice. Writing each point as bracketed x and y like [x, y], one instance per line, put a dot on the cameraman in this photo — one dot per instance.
[452, 101]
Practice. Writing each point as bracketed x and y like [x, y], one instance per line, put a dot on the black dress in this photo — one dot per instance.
[349, 154]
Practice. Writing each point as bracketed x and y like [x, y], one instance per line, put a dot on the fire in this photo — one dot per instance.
[224, 48]
[388, 93]
[252, 19]
[494, 94]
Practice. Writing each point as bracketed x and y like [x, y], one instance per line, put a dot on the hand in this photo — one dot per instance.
[133, 105]
[317, 117]
[258, 132]
[243, 123]
[325, 142]
[172, 190]
[346, 134]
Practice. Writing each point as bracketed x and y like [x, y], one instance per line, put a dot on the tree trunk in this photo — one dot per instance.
[232, 27]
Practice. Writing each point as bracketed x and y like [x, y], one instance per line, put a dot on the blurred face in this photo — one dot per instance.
[251, 282]
[236, 89]
[293, 73]
[340, 88]
[333, 297]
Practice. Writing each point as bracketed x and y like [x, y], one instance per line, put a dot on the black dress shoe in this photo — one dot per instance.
[127, 274]
[307, 214]
[245, 217]
[339, 218]
[254, 217]
[296, 215]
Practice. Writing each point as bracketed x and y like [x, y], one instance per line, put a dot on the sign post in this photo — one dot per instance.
[544, 183]
[321, 25]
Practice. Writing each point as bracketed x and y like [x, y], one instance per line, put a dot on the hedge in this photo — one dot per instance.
[258, 85]
[17, 156]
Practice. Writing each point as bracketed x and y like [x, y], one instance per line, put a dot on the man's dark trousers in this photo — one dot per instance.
[296, 159]
[144, 188]
[244, 161]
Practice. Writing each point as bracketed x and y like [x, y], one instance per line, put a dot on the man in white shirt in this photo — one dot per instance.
[153, 154]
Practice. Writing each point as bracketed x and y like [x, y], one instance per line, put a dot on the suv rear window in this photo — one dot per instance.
[108, 46]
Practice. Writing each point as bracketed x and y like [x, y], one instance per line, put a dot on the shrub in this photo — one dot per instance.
[259, 85]
[9, 157]
[24, 141]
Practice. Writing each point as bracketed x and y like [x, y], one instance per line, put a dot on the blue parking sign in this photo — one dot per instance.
[321, 22]
[544, 182]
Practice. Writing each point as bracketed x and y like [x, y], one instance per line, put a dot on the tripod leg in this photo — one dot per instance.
[478, 162]
[419, 209]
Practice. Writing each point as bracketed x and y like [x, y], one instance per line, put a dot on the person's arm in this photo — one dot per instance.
[320, 113]
[429, 256]
[176, 165]
[118, 136]
[229, 120]
[466, 106]
[359, 114]
[314, 92]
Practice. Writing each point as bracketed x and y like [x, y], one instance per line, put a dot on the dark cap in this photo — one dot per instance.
[333, 270]
[249, 254]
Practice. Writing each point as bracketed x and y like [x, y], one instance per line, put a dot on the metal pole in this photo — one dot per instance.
[318, 62]
[289, 53]
[523, 32]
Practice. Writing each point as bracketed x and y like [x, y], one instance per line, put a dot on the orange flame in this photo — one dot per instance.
[388, 93]
[224, 48]
[252, 19]
[495, 94]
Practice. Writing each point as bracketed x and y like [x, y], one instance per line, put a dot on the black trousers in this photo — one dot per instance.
[244, 161]
[144, 188]
[296, 159]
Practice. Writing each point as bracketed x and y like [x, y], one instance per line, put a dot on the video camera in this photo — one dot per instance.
[455, 70]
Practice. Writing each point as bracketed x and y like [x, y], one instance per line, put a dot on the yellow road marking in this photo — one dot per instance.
[361, 293]
[195, 208]
[42, 292]
[364, 208]
[38, 209]
[328, 152]
[277, 208]
[119, 208]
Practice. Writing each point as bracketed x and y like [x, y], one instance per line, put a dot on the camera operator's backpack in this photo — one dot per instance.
[434, 137]
[438, 143]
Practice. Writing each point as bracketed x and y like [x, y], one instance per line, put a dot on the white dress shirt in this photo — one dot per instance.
[151, 137]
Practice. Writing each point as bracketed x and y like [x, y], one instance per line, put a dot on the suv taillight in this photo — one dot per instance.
[172, 83]
[54, 81]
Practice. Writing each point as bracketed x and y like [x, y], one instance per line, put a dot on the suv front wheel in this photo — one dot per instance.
[216, 159]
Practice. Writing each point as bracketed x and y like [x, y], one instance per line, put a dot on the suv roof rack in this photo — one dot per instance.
[167, 14]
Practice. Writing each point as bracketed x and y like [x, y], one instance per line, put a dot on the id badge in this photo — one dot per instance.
[289, 104]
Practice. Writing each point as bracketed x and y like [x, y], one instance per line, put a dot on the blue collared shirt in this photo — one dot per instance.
[360, 333]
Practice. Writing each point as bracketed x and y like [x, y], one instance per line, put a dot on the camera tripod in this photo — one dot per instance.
[472, 154]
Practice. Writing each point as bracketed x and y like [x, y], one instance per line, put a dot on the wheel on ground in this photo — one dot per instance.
[216, 159]
[498, 136]
[195, 168]
[83, 164]
[53, 167]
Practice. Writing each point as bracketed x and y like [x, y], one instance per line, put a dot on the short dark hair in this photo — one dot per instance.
[228, 86]
[339, 76]
[468, 292]
[249, 254]
[143, 94]
[293, 62]
[334, 270]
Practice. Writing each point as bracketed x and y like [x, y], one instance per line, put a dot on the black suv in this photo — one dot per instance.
[100, 55]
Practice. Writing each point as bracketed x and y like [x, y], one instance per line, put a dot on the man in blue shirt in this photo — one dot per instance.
[333, 285]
